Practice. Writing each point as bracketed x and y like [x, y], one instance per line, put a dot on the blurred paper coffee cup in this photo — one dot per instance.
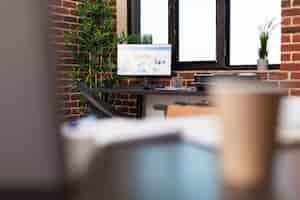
[249, 111]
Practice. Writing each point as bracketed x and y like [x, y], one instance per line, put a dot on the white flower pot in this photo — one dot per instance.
[262, 64]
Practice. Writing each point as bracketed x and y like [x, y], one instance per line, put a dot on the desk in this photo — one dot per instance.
[178, 171]
[147, 98]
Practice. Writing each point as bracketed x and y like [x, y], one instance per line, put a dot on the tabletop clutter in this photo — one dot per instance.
[244, 133]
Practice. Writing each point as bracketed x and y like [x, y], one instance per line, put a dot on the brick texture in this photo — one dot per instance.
[290, 57]
[63, 19]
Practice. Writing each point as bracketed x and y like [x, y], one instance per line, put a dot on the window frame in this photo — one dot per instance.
[228, 27]
[222, 37]
[220, 41]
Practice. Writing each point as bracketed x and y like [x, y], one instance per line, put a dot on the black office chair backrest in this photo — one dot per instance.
[98, 107]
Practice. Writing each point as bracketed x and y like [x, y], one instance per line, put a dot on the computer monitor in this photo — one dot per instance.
[144, 60]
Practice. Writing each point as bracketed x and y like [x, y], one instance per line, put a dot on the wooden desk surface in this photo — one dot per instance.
[178, 171]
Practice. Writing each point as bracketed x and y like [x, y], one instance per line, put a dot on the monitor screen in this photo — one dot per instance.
[144, 60]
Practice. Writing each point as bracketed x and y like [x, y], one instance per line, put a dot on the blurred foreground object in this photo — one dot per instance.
[79, 148]
[249, 111]
[30, 150]
[170, 169]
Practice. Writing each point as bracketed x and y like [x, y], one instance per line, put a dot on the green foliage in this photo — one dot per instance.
[93, 44]
[265, 32]
[138, 39]
[263, 50]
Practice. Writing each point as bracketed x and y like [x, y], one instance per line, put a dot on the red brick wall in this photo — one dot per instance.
[291, 45]
[63, 19]
[287, 77]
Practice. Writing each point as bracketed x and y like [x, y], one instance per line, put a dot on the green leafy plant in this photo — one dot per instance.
[139, 39]
[93, 45]
[265, 32]
[263, 50]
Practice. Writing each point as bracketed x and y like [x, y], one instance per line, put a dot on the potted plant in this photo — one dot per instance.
[93, 45]
[264, 36]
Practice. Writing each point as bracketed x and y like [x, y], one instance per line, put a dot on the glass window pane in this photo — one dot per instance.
[155, 20]
[246, 17]
[197, 30]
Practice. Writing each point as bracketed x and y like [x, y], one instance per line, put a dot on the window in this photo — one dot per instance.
[155, 24]
[197, 38]
[208, 34]
[246, 17]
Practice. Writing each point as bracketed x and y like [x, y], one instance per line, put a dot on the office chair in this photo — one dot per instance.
[97, 107]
